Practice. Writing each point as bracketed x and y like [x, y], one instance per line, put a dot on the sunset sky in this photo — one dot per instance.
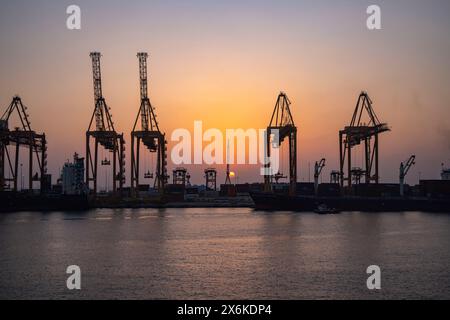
[224, 62]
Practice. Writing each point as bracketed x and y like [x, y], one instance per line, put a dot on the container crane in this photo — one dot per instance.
[149, 134]
[101, 130]
[282, 122]
[361, 132]
[404, 168]
[21, 136]
[318, 167]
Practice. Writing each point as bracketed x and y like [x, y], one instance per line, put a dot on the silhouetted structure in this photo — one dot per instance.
[358, 132]
[356, 173]
[404, 169]
[227, 178]
[445, 173]
[72, 177]
[103, 134]
[228, 172]
[278, 176]
[318, 167]
[179, 176]
[283, 122]
[211, 179]
[335, 177]
[149, 134]
[188, 180]
[21, 136]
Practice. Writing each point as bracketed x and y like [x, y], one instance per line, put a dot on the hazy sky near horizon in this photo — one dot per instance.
[224, 62]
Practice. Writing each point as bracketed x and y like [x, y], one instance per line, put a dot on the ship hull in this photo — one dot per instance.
[12, 202]
[276, 202]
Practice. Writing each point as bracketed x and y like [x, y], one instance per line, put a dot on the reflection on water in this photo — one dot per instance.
[223, 253]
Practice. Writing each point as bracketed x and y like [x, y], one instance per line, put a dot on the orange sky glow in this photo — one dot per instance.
[225, 65]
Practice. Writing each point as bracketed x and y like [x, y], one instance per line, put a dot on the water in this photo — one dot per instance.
[223, 254]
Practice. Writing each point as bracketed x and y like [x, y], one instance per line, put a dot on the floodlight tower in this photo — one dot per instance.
[149, 134]
[103, 134]
[228, 172]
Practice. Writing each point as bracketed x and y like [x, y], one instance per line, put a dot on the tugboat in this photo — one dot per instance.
[324, 209]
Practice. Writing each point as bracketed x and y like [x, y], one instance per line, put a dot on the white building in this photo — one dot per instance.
[73, 177]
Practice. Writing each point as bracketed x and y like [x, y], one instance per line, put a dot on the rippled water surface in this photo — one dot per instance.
[223, 254]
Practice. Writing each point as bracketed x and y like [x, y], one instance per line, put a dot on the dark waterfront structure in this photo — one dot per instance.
[283, 123]
[180, 176]
[26, 137]
[149, 134]
[360, 132]
[299, 203]
[25, 201]
[363, 190]
[211, 179]
[104, 135]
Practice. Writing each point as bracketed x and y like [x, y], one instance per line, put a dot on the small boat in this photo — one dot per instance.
[324, 209]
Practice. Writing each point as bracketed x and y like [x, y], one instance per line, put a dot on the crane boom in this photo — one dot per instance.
[103, 119]
[409, 164]
[144, 89]
[97, 75]
[318, 167]
[404, 169]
